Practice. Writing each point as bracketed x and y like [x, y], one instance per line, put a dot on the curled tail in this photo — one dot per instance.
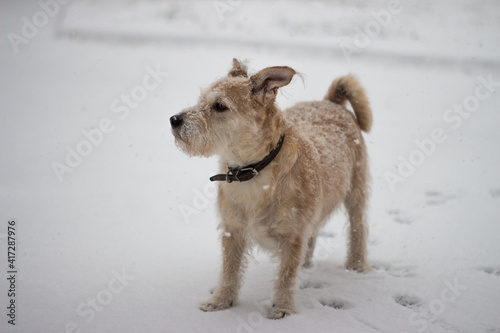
[349, 88]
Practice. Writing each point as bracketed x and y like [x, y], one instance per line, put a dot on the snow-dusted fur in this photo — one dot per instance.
[322, 164]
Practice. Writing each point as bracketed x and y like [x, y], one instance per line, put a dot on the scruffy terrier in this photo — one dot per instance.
[284, 173]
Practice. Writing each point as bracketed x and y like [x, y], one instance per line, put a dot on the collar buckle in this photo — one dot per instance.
[235, 173]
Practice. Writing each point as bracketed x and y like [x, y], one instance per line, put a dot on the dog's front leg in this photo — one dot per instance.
[234, 245]
[291, 254]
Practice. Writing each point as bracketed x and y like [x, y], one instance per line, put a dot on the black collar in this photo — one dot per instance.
[243, 174]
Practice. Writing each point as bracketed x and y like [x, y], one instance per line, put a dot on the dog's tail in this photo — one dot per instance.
[349, 88]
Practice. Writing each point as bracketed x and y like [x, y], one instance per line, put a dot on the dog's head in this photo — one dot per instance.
[234, 110]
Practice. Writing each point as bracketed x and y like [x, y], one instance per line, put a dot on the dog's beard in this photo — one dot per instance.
[181, 143]
[191, 142]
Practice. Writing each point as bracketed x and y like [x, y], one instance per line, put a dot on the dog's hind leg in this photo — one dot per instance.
[310, 251]
[234, 245]
[355, 204]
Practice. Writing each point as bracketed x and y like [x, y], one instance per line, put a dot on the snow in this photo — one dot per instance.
[127, 241]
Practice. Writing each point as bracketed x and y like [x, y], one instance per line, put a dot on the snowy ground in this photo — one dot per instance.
[127, 241]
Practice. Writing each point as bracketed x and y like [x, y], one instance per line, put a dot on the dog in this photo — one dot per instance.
[283, 173]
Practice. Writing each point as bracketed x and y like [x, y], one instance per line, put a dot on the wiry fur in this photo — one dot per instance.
[322, 165]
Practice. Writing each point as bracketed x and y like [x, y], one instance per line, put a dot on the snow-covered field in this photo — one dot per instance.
[115, 229]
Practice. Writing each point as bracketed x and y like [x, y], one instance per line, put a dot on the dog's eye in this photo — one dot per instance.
[220, 107]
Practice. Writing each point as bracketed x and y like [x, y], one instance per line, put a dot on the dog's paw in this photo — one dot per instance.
[279, 312]
[216, 305]
[358, 266]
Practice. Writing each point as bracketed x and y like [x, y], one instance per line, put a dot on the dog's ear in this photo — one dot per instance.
[265, 83]
[239, 69]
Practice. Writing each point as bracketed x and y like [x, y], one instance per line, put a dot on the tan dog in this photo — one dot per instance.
[288, 172]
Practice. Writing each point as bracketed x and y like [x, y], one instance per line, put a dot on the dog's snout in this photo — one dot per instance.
[176, 121]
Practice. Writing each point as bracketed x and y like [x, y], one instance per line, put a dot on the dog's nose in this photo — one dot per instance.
[176, 121]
